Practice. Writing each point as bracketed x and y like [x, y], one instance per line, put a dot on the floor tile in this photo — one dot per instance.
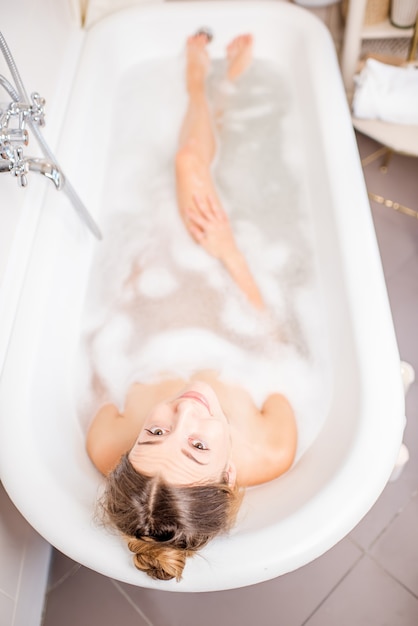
[397, 234]
[13, 531]
[368, 596]
[403, 296]
[62, 568]
[401, 168]
[397, 237]
[397, 548]
[288, 600]
[7, 607]
[89, 599]
[394, 497]
[410, 473]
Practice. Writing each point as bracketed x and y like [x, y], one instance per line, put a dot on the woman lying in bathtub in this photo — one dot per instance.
[176, 458]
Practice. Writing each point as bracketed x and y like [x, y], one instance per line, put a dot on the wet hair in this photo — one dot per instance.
[164, 524]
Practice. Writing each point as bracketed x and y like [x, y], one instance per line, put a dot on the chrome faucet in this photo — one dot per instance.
[19, 166]
[15, 119]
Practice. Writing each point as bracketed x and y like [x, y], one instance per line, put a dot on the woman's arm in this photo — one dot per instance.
[210, 227]
[204, 217]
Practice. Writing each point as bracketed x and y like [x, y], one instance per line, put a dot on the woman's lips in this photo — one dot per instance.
[195, 395]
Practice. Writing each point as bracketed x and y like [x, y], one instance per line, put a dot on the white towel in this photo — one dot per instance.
[387, 93]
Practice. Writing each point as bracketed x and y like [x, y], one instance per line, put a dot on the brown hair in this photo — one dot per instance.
[163, 524]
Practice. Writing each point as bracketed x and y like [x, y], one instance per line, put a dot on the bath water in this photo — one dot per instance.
[158, 304]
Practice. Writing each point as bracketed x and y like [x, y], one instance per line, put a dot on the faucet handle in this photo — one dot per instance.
[38, 109]
[35, 111]
[19, 166]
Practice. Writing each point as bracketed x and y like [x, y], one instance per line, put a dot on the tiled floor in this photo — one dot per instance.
[371, 577]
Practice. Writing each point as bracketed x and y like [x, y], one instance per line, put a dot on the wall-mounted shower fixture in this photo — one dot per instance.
[16, 119]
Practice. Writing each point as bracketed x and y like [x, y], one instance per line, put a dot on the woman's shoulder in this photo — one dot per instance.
[280, 428]
[268, 447]
[109, 436]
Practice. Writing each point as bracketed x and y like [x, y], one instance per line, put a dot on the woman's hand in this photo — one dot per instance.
[209, 226]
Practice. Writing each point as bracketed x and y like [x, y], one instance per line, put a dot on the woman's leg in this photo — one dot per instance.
[239, 54]
[198, 202]
[197, 143]
[197, 140]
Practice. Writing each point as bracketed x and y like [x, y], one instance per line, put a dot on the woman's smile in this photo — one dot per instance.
[199, 397]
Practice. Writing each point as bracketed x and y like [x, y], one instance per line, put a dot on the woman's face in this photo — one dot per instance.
[185, 439]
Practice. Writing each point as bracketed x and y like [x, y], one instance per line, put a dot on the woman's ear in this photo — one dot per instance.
[231, 472]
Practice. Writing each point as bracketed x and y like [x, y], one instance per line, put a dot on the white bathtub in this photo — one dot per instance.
[43, 464]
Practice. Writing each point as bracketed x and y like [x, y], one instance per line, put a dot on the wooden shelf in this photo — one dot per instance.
[385, 30]
[398, 137]
[401, 138]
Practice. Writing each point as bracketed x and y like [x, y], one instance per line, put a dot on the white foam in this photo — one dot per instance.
[156, 282]
[159, 303]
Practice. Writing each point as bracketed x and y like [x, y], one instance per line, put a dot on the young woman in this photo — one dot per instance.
[177, 456]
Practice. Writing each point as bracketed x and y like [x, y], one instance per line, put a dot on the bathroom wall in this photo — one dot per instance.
[94, 10]
[44, 38]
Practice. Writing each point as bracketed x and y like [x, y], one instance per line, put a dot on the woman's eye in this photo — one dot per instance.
[200, 445]
[156, 430]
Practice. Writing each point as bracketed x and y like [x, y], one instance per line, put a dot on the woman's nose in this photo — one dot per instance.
[186, 410]
[183, 422]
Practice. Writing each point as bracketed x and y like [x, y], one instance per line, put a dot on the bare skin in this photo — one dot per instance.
[239, 53]
[197, 198]
[253, 445]
[263, 441]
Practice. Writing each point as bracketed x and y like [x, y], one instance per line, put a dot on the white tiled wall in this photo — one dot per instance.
[41, 36]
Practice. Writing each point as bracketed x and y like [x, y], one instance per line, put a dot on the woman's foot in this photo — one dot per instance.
[239, 54]
[198, 62]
